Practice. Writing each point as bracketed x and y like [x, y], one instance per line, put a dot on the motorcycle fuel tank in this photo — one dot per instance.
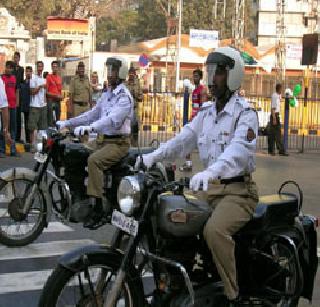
[181, 216]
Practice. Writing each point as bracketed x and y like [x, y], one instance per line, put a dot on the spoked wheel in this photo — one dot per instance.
[288, 281]
[87, 287]
[16, 227]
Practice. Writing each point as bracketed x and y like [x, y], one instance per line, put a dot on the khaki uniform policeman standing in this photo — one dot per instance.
[80, 92]
[225, 133]
[111, 118]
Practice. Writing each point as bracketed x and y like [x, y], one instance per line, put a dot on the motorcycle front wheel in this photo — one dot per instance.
[17, 228]
[86, 287]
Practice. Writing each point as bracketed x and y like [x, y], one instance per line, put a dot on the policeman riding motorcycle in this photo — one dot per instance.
[225, 133]
[111, 119]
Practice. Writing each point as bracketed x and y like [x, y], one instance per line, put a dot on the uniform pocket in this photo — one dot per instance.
[203, 149]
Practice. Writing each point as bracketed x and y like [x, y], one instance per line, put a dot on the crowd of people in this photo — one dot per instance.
[30, 101]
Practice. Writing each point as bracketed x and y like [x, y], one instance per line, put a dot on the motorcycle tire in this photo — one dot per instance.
[285, 252]
[21, 240]
[61, 276]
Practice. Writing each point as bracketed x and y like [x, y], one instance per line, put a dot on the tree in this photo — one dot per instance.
[122, 28]
[128, 20]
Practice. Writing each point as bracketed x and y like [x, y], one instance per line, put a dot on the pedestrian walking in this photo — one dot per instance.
[18, 72]
[4, 119]
[12, 93]
[54, 94]
[25, 98]
[274, 136]
[80, 91]
[38, 105]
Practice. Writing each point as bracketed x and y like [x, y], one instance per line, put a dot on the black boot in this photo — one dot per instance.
[81, 210]
[96, 218]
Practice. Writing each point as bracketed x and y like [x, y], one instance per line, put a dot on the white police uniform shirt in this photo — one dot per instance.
[111, 115]
[226, 141]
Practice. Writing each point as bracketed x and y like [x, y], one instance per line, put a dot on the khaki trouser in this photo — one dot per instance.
[234, 206]
[78, 109]
[107, 152]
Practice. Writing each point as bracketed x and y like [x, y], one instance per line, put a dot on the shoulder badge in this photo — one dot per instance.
[205, 106]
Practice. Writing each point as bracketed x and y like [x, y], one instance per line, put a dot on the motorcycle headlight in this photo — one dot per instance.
[129, 194]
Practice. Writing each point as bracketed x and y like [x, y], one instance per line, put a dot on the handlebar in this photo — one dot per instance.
[178, 185]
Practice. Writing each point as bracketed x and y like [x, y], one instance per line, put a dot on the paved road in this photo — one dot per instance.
[23, 271]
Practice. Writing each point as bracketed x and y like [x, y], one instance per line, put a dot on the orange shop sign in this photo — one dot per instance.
[67, 29]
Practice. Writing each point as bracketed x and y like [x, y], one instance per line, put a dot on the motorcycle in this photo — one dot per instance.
[276, 253]
[28, 197]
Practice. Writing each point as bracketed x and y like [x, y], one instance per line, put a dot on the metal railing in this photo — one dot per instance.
[161, 117]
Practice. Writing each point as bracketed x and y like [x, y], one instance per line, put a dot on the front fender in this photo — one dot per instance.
[79, 258]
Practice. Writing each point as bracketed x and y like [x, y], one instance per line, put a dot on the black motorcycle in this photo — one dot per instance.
[57, 181]
[276, 254]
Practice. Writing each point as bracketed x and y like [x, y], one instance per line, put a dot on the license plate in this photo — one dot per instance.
[40, 157]
[125, 223]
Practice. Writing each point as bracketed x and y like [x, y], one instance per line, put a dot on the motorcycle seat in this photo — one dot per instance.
[273, 210]
[286, 203]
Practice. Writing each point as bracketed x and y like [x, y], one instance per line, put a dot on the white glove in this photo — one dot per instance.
[81, 130]
[202, 177]
[62, 124]
[148, 161]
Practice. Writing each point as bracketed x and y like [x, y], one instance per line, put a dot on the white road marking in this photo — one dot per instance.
[41, 250]
[23, 281]
[24, 228]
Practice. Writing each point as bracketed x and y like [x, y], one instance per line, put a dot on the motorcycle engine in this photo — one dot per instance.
[75, 157]
[183, 251]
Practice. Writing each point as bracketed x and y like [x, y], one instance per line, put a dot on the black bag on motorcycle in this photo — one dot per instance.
[76, 157]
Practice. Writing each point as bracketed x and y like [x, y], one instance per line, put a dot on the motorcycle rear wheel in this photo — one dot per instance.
[16, 228]
[72, 288]
[291, 283]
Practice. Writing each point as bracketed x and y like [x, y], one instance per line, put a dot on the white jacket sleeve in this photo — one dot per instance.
[179, 146]
[86, 118]
[235, 160]
[116, 117]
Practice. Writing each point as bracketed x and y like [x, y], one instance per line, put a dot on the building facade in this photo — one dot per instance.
[13, 37]
[301, 17]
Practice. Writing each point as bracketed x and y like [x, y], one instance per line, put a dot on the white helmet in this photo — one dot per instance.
[231, 60]
[120, 63]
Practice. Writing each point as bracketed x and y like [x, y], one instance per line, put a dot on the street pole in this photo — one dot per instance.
[305, 102]
[286, 123]
[186, 96]
[179, 46]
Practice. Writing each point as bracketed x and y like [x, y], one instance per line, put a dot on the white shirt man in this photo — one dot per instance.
[3, 96]
[226, 141]
[38, 106]
[275, 102]
[38, 100]
[4, 134]
[111, 115]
